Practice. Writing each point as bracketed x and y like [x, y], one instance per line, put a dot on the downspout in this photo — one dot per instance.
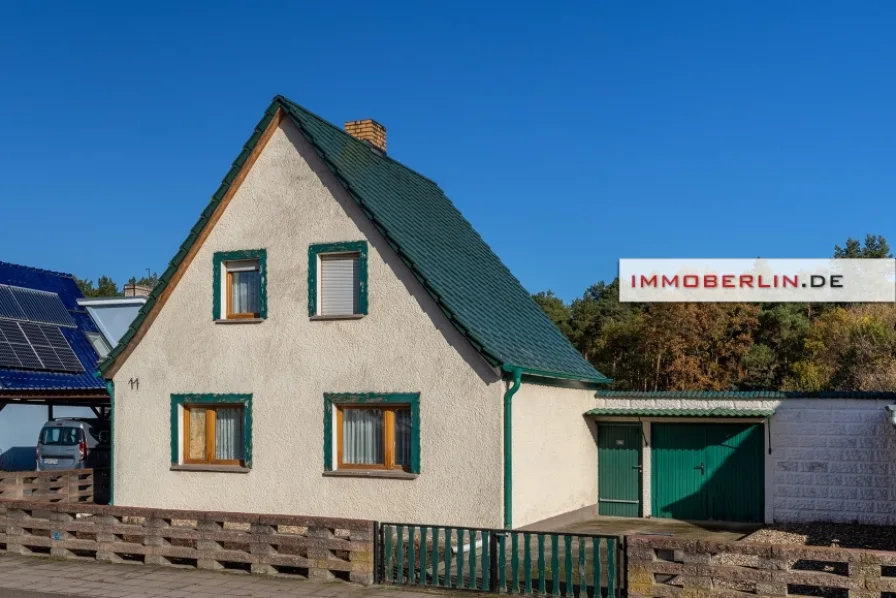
[110, 388]
[508, 446]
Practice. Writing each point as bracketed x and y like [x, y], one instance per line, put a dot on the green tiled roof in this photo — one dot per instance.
[674, 412]
[471, 285]
[743, 394]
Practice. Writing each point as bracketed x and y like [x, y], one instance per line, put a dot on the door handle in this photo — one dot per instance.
[638, 467]
[701, 468]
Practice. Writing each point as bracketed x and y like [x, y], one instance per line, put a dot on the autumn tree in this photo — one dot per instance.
[717, 346]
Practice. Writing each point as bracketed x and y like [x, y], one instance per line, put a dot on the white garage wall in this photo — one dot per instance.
[833, 460]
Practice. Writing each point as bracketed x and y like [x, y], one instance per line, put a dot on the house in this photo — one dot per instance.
[333, 338]
[48, 358]
[752, 456]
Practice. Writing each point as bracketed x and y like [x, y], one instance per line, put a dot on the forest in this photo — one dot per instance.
[734, 346]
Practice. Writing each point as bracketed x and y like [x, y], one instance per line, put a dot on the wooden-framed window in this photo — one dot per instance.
[337, 280]
[214, 434]
[372, 431]
[243, 289]
[373, 437]
[240, 285]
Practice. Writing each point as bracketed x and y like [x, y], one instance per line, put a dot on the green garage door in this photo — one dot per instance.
[707, 472]
[619, 469]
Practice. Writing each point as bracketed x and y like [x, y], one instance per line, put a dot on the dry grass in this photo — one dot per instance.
[838, 535]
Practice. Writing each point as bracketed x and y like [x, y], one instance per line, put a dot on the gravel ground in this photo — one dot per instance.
[828, 534]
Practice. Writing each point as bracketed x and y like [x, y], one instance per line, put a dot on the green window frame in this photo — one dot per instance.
[219, 259]
[332, 401]
[318, 249]
[179, 400]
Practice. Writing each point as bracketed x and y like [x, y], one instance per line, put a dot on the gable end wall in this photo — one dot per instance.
[288, 201]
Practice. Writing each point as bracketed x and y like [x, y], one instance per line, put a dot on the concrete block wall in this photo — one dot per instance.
[832, 460]
[679, 568]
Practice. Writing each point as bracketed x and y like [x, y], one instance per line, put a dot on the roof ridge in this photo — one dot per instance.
[489, 322]
[384, 155]
[36, 269]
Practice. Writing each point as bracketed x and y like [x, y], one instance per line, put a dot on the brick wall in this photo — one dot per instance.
[671, 568]
[312, 547]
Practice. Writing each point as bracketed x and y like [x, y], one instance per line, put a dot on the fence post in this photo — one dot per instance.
[377, 556]
[493, 561]
[622, 542]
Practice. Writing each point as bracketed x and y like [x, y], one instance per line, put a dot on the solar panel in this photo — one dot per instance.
[55, 338]
[41, 306]
[8, 357]
[31, 346]
[12, 332]
[27, 356]
[48, 357]
[9, 307]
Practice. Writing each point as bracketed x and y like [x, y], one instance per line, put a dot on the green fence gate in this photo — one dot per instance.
[497, 560]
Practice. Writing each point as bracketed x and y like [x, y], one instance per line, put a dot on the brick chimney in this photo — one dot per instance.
[137, 290]
[368, 130]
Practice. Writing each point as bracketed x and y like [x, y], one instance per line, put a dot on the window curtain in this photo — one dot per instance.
[197, 434]
[403, 437]
[245, 292]
[229, 434]
[362, 435]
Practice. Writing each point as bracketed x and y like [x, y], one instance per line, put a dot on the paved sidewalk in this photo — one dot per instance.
[31, 577]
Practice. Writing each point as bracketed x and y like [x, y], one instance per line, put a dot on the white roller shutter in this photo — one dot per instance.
[339, 284]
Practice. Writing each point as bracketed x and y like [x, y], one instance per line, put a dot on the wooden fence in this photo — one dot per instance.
[64, 485]
[664, 567]
[311, 547]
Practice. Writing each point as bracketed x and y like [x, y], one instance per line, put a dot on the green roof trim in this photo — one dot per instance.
[469, 283]
[680, 412]
[743, 394]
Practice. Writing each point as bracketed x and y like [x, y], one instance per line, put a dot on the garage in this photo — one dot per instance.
[707, 471]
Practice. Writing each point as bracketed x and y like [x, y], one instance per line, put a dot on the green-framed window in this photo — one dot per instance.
[211, 429]
[372, 431]
[239, 285]
[337, 279]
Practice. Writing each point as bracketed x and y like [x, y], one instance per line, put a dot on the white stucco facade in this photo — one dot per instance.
[554, 452]
[824, 459]
[288, 201]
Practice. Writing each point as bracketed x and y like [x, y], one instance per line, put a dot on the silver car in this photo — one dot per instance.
[73, 443]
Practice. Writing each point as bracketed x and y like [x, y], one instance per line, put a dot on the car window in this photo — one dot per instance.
[60, 436]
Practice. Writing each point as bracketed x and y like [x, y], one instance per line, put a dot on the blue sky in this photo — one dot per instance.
[569, 134]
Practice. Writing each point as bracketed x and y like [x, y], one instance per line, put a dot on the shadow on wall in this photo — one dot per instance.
[717, 472]
[18, 458]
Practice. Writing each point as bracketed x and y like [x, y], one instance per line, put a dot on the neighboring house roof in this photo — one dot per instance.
[471, 285]
[680, 412]
[112, 315]
[743, 394]
[65, 287]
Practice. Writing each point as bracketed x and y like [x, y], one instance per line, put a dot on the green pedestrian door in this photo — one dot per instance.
[619, 470]
[707, 472]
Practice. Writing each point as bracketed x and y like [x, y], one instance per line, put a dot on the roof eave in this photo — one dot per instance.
[595, 381]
